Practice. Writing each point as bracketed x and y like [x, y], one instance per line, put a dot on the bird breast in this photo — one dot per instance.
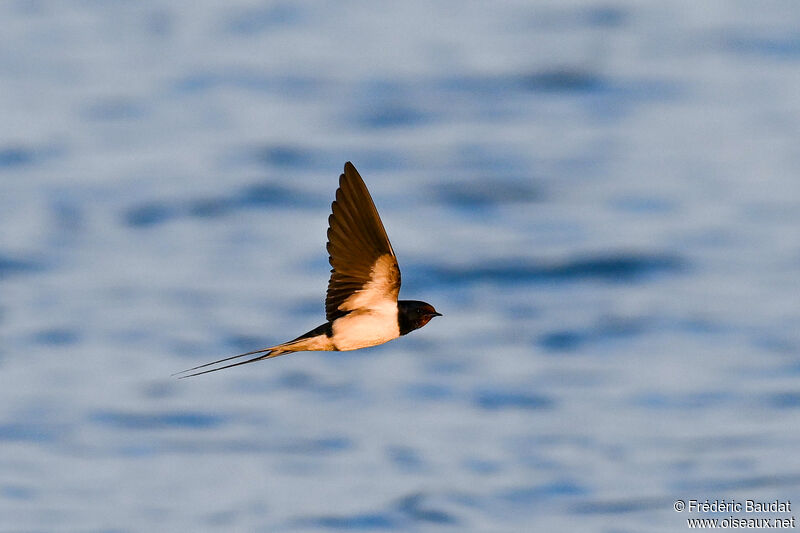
[366, 327]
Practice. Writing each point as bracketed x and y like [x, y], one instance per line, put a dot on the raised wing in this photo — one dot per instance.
[365, 273]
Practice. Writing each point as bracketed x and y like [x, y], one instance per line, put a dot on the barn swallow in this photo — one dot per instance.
[361, 305]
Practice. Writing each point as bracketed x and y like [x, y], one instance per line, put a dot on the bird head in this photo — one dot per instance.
[413, 314]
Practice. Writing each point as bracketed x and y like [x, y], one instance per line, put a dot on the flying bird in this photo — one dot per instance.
[361, 305]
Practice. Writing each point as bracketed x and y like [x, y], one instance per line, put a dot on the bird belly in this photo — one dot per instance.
[365, 327]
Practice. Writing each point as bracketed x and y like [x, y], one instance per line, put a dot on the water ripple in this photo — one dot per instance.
[415, 507]
[29, 432]
[504, 399]
[613, 267]
[11, 265]
[537, 493]
[357, 522]
[255, 196]
[16, 156]
[140, 421]
[487, 192]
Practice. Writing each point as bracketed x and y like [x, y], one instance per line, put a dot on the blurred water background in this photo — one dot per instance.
[602, 199]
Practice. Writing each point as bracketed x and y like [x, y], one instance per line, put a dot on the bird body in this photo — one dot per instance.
[361, 304]
[363, 328]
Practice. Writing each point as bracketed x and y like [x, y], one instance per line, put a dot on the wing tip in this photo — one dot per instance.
[350, 172]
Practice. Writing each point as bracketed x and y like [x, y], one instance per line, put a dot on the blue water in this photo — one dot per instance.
[601, 198]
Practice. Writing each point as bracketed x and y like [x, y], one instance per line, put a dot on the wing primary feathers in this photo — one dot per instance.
[356, 242]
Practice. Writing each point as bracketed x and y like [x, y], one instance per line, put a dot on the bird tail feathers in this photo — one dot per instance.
[316, 339]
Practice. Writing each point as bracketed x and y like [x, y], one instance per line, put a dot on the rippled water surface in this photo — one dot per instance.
[601, 198]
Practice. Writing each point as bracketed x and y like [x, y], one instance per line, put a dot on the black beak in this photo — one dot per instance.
[436, 314]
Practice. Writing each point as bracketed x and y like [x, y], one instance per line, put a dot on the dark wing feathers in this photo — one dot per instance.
[356, 241]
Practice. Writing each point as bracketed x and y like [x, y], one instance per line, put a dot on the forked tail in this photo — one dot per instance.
[316, 339]
[268, 354]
